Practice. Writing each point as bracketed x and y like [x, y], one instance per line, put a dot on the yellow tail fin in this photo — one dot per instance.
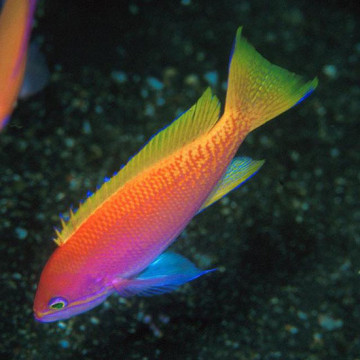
[258, 90]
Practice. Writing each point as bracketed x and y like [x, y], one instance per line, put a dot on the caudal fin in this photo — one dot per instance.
[258, 90]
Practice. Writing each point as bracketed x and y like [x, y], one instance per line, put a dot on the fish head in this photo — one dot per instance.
[68, 287]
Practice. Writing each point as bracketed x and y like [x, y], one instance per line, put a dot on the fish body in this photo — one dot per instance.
[116, 241]
[15, 27]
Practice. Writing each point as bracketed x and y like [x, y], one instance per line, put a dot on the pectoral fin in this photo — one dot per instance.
[240, 170]
[165, 274]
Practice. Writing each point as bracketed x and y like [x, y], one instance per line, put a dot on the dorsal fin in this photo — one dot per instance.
[198, 120]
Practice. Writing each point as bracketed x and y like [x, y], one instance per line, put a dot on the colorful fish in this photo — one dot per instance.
[116, 241]
[15, 27]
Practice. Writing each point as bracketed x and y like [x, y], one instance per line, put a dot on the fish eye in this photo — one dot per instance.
[57, 303]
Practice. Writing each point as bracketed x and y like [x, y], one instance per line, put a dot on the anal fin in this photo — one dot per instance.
[240, 170]
[166, 273]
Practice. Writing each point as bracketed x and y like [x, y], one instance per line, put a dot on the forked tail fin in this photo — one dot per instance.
[258, 90]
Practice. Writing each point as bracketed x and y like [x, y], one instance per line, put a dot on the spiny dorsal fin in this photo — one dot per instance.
[198, 120]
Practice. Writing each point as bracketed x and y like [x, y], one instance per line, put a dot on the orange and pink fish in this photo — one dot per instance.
[117, 240]
[15, 27]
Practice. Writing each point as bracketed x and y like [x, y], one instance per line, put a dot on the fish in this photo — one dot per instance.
[15, 27]
[118, 239]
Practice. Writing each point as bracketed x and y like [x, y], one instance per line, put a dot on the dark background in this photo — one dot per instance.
[286, 244]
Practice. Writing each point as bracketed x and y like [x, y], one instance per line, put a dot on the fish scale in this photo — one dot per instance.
[146, 203]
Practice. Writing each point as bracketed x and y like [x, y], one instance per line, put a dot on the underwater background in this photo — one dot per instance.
[286, 244]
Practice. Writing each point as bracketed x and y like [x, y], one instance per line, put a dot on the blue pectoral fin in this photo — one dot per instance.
[166, 273]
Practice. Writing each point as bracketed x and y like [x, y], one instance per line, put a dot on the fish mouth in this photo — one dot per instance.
[71, 310]
[46, 317]
[38, 316]
[50, 317]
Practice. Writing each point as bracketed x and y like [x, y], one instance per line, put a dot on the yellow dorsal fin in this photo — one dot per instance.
[198, 120]
[240, 170]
